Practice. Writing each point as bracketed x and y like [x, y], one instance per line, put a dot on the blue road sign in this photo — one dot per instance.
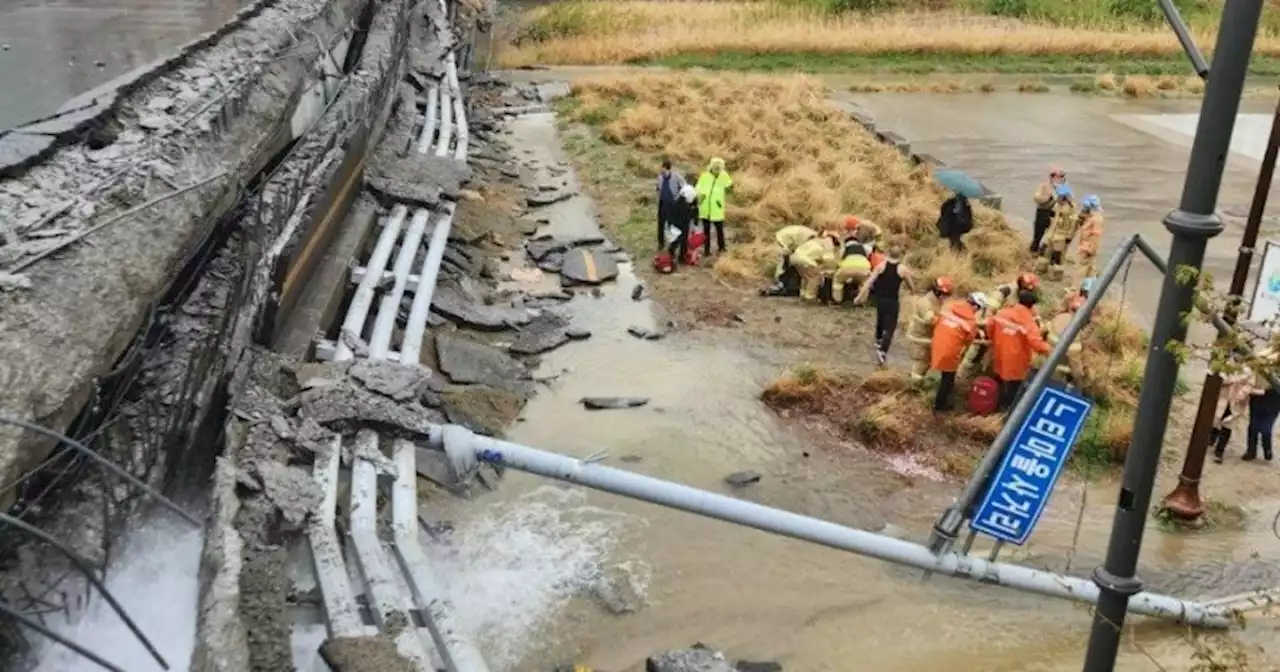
[1020, 488]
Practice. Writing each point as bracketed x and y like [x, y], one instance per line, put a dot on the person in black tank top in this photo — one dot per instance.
[885, 285]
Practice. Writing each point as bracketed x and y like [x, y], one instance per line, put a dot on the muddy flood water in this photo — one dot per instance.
[533, 548]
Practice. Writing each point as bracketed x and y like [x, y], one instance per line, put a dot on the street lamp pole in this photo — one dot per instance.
[1184, 502]
[1192, 224]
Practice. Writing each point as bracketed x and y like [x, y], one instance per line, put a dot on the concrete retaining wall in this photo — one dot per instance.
[989, 197]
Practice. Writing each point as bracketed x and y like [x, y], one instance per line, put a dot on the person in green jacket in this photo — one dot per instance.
[713, 185]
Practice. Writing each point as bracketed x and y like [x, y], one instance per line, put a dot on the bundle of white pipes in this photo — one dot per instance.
[447, 645]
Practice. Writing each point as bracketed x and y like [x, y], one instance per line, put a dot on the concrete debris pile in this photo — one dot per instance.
[702, 658]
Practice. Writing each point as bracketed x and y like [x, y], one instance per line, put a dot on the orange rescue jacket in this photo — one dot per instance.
[956, 328]
[1015, 338]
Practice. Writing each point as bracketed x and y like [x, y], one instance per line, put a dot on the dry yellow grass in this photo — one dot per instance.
[626, 31]
[795, 159]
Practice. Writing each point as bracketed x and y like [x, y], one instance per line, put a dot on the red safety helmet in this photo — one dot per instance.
[851, 222]
[1055, 171]
[1028, 281]
[943, 285]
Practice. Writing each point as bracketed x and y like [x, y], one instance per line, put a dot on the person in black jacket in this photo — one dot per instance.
[681, 216]
[955, 219]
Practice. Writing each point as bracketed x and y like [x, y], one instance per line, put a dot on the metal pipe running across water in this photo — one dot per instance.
[465, 451]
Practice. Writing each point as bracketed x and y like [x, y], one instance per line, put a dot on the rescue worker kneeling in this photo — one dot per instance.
[922, 314]
[814, 260]
[957, 327]
[1073, 371]
[789, 239]
[855, 267]
[1015, 339]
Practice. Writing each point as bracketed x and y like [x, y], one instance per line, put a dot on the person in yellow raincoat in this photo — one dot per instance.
[713, 190]
[814, 260]
[855, 267]
[1090, 235]
[1044, 200]
[922, 316]
[1060, 233]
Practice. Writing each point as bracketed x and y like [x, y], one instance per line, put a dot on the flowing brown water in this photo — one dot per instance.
[810, 608]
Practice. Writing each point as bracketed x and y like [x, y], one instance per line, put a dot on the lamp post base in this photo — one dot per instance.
[1184, 502]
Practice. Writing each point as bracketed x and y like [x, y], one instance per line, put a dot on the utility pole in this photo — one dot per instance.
[1192, 224]
[1184, 502]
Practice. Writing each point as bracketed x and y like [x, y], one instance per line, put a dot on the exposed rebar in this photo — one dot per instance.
[109, 465]
[22, 618]
[85, 569]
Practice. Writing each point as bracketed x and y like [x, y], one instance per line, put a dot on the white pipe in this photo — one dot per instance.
[455, 648]
[342, 615]
[459, 111]
[411, 344]
[389, 308]
[446, 123]
[429, 127]
[466, 450]
[358, 311]
[385, 599]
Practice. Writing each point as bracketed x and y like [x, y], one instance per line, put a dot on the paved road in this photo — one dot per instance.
[56, 49]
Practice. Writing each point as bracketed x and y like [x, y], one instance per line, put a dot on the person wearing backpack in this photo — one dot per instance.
[955, 219]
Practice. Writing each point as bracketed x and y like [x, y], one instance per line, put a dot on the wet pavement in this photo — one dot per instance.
[1132, 154]
[53, 50]
[762, 597]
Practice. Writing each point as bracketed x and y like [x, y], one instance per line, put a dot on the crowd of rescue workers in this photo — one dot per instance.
[997, 332]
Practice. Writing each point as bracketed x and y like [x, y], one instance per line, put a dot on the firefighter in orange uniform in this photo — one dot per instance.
[956, 328]
[1015, 340]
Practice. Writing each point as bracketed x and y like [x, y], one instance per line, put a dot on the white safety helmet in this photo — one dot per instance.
[980, 300]
[687, 193]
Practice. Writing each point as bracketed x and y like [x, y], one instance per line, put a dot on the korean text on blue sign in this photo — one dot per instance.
[1020, 488]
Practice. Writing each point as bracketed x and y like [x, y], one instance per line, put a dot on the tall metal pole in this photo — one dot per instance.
[1192, 225]
[1184, 501]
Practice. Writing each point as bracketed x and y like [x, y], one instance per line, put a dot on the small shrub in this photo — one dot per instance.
[1033, 86]
[1107, 82]
[1147, 11]
[1011, 8]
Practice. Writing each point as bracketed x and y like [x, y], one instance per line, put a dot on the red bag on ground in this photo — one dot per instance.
[984, 396]
[693, 250]
[662, 262]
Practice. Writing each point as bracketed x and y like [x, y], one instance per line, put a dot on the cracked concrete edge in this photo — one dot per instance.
[105, 100]
[87, 305]
[222, 643]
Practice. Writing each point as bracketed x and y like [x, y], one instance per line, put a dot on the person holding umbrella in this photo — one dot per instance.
[955, 218]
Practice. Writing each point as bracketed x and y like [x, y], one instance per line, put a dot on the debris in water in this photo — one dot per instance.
[619, 590]
[547, 198]
[577, 334]
[739, 479]
[646, 334]
[748, 666]
[631, 459]
[603, 403]
[696, 659]
[480, 408]
[637, 292]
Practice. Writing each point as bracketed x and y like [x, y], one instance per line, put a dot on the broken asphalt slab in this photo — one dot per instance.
[588, 266]
[608, 403]
[546, 332]
[467, 362]
[453, 304]
[480, 408]
[740, 479]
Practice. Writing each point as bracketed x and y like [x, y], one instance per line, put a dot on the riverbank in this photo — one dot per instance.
[770, 36]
